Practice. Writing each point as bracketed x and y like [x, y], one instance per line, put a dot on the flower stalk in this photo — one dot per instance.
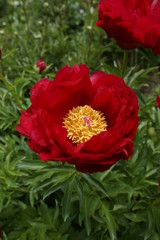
[124, 63]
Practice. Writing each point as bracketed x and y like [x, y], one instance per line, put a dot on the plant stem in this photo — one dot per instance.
[124, 64]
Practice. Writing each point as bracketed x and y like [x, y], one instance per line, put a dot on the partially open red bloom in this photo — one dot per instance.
[86, 121]
[158, 102]
[133, 23]
[41, 65]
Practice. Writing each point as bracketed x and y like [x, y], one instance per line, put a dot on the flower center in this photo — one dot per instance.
[82, 123]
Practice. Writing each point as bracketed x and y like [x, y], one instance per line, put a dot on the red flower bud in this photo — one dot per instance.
[40, 65]
[158, 102]
[0, 52]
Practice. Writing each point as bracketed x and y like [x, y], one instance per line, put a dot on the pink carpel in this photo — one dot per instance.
[87, 120]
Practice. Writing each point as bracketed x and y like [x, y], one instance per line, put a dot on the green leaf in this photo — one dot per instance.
[140, 97]
[9, 53]
[31, 165]
[110, 222]
[67, 199]
[87, 221]
[94, 182]
[53, 189]
[136, 217]
[80, 189]
[150, 229]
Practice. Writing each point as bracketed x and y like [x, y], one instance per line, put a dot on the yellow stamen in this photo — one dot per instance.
[82, 123]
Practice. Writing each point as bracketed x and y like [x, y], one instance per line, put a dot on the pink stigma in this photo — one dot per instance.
[87, 120]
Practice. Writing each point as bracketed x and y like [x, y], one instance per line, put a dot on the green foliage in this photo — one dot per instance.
[46, 200]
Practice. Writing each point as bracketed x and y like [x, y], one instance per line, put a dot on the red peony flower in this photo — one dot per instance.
[40, 65]
[158, 102]
[82, 120]
[132, 23]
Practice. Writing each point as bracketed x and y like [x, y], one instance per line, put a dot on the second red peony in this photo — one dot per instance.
[131, 23]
